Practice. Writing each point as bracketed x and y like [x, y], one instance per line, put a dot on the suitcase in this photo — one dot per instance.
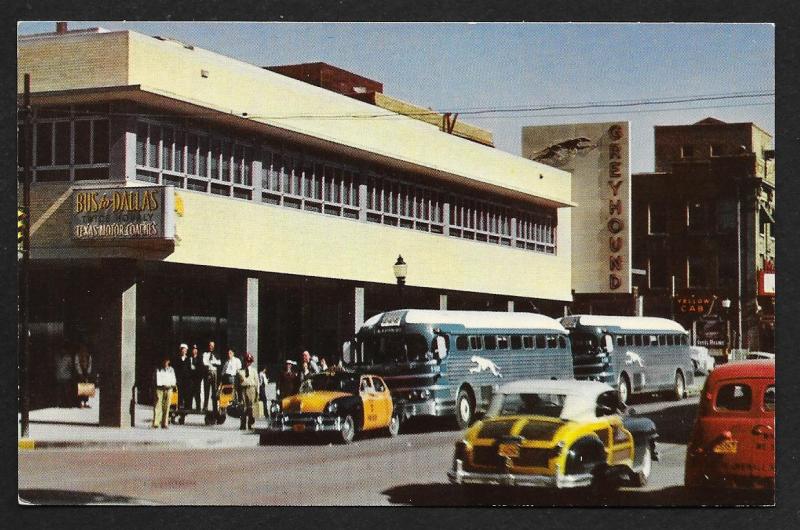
[86, 390]
[258, 409]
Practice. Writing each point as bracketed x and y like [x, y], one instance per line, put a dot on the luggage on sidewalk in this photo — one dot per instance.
[86, 390]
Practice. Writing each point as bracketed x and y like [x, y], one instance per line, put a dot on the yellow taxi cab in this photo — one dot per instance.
[341, 403]
[561, 434]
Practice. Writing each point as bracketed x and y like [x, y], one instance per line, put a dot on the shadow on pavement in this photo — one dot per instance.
[674, 424]
[66, 497]
[440, 494]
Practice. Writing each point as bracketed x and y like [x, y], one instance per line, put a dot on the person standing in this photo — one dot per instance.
[262, 387]
[211, 364]
[195, 377]
[311, 362]
[247, 388]
[64, 380]
[83, 371]
[165, 382]
[182, 375]
[288, 380]
[230, 368]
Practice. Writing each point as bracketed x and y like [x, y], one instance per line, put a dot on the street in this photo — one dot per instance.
[375, 470]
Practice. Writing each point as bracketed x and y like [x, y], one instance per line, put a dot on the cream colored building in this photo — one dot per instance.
[280, 210]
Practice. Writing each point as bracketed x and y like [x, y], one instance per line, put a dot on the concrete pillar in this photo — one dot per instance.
[511, 306]
[115, 357]
[122, 138]
[243, 316]
[443, 302]
[358, 308]
[362, 202]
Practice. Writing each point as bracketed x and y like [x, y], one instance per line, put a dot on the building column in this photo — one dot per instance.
[243, 316]
[511, 306]
[442, 302]
[122, 137]
[115, 357]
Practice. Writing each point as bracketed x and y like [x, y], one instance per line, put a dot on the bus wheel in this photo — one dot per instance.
[624, 388]
[680, 387]
[465, 409]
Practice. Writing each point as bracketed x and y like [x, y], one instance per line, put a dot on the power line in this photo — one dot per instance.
[477, 112]
[640, 111]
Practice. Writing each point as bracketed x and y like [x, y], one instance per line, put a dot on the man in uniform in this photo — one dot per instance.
[247, 380]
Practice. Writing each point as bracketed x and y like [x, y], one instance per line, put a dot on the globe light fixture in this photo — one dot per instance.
[400, 270]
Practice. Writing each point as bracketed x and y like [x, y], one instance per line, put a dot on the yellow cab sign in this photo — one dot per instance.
[693, 304]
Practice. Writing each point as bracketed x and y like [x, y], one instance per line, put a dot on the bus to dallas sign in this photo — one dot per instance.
[123, 213]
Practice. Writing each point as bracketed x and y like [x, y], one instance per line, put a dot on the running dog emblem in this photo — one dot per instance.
[484, 364]
[632, 357]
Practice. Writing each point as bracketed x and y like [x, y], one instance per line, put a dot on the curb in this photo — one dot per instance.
[30, 444]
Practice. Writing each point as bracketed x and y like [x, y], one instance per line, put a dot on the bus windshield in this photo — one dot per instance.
[396, 348]
[583, 343]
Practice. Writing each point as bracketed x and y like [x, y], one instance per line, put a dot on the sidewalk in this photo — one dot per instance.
[74, 427]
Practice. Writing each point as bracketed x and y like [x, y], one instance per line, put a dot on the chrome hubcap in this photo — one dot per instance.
[464, 409]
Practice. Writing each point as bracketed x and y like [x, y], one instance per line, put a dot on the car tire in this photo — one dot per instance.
[624, 388]
[465, 409]
[641, 477]
[679, 390]
[394, 426]
[347, 432]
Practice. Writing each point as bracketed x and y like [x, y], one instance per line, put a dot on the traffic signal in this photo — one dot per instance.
[21, 221]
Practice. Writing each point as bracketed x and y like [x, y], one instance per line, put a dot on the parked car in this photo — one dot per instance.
[702, 361]
[755, 355]
[733, 441]
[341, 403]
[561, 434]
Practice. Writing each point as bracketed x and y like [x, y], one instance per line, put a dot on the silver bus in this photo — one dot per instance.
[633, 354]
[448, 363]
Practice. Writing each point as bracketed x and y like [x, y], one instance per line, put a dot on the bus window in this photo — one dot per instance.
[662, 340]
[552, 341]
[670, 340]
[502, 342]
[489, 342]
[527, 342]
[475, 343]
[685, 340]
[461, 342]
[562, 342]
[516, 342]
[620, 340]
[628, 340]
[540, 341]
[637, 339]
[653, 340]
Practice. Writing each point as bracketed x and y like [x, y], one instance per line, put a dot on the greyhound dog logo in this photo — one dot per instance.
[633, 357]
[484, 364]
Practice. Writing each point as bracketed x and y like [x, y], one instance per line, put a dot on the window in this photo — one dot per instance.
[685, 340]
[670, 340]
[379, 386]
[562, 342]
[696, 269]
[516, 342]
[687, 151]
[769, 398]
[628, 340]
[490, 342]
[637, 340]
[502, 342]
[653, 340]
[552, 341]
[541, 342]
[620, 340]
[717, 150]
[726, 272]
[475, 343]
[736, 396]
[658, 273]
[527, 342]
[662, 340]
[657, 217]
[461, 342]
[72, 144]
[697, 216]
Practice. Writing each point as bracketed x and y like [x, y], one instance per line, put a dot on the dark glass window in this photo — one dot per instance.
[662, 340]
[629, 340]
[152, 147]
[620, 340]
[637, 340]
[541, 341]
[552, 341]
[769, 398]
[697, 272]
[659, 271]
[734, 396]
[698, 215]
[461, 342]
[502, 342]
[44, 144]
[83, 143]
[562, 342]
[726, 215]
[100, 147]
[490, 342]
[516, 342]
[62, 143]
[475, 343]
[687, 151]
[657, 222]
[527, 342]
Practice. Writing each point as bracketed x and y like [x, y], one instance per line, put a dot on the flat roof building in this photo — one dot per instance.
[183, 196]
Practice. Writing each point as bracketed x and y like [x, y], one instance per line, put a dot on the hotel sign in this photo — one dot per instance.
[123, 213]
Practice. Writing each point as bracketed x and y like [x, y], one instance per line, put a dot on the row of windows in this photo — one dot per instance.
[68, 144]
[699, 271]
[651, 340]
[699, 216]
[513, 342]
[739, 397]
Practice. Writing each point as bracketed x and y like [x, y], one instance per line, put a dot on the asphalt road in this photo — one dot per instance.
[407, 470]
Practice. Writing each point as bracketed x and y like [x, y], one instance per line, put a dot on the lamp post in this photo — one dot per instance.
[400, 270]
[726, 306]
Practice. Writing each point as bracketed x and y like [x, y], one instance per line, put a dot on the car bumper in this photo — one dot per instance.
[304, 423]
[430, 407]
[459, 476]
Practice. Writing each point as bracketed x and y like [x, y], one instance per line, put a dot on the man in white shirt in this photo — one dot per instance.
[210, 366]
[165, 382]
[230, 368]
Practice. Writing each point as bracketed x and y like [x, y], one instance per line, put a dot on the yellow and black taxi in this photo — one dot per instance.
[342, 403]
[556, 433]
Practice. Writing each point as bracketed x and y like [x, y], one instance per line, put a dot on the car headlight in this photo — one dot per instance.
[332, 407]
[420, 394]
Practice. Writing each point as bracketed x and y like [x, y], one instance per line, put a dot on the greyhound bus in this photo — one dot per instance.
[633, 354]
[445, 363]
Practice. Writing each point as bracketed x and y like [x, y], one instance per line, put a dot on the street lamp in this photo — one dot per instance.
[726, 306]
[400, 270]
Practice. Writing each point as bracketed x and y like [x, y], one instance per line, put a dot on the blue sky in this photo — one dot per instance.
[461, 66]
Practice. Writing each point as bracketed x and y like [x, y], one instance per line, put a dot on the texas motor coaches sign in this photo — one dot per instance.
[108, 214]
